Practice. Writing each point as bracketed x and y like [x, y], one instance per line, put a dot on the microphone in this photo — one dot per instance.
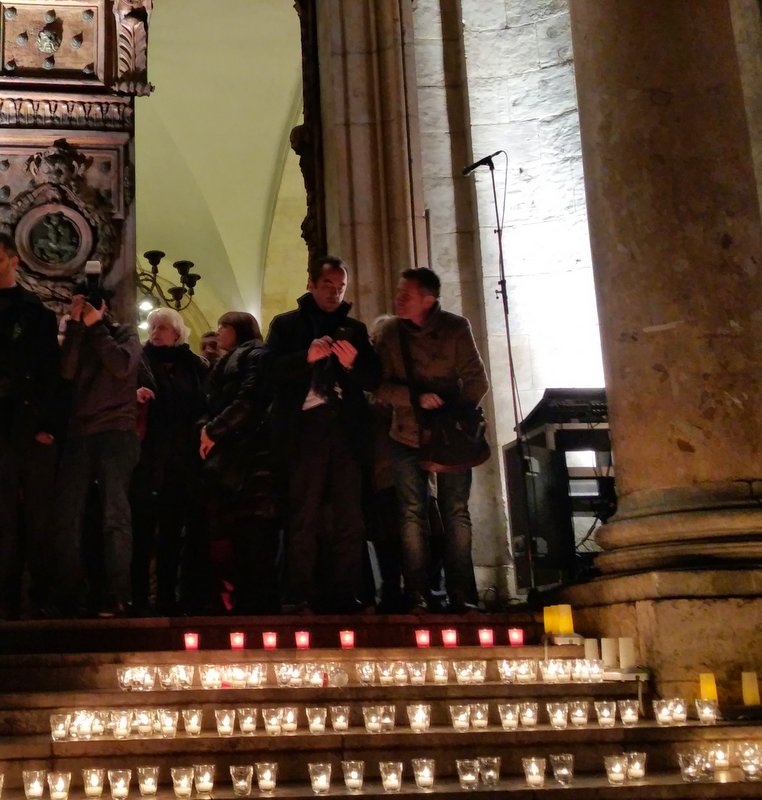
[482, 162]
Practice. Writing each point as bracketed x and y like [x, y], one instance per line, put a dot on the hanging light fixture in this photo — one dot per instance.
[175, 296]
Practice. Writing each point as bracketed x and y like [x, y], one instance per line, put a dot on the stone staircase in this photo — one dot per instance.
[50, 668]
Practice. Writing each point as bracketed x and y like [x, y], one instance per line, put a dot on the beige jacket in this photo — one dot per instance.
[445, 361]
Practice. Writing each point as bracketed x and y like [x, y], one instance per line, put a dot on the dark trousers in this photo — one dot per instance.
[107, 458]
[163, 520]
[453, 490]
[27, 477]
[326, 475]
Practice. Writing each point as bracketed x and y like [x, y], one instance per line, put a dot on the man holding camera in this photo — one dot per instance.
[320, 361]
[100, 359]
[28, 421]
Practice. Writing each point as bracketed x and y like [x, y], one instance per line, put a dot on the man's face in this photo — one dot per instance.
[210, 348]
[328, 290]
[8, 266]
[412, 302]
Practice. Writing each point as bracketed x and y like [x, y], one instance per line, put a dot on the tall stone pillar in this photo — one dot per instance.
[675, 229]
[675, 232]
[371, 146]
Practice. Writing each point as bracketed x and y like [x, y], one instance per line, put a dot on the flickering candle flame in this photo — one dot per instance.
[269, 640]
[302, 639]
[237, 640]
[347, 639]
[486, 637]
[515, 637]
[449, 637]
[422, 637]
[191, 640]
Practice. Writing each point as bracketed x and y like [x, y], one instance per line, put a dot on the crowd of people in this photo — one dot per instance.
[147, 479]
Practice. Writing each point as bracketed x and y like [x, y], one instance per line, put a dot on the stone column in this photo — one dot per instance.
[675, 230]
[374, 204]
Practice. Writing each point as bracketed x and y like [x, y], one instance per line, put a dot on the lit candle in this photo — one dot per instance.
[721, 757]
[486, 637]
[449, 637]
[391, 782]
[302, 639]
[550, 619]
[224, 725]
[204, 783]
[237, 640]
[269, 640]
[424, 778]
[565, 620]
[679, 711]
[289, 721]
[34, 789]
[706, 711]
[119, 789]
[182, 788]
[320, 783]
[635, 770]
[422, 637]
[192, 724]
[247, 723]
[266, 784]
[58, 789]
[353, 781]
[707, 686]
[440, 671]
[750, 688]
[347, 639]
[516, 637]
[191, 641]
[93, 783]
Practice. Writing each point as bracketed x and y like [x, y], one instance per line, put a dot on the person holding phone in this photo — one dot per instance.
[320, 363]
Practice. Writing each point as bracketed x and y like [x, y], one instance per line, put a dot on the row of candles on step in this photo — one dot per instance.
[163, 722]
[703, 764]
[368, 673]
[472, 772]
[302, 639]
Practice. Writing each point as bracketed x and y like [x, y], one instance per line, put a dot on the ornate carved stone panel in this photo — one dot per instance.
[101, 44]
[65, 202]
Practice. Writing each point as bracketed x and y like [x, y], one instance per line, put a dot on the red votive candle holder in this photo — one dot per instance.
[347, 639]
[449, 637]
[302, 639]
[486, 637]
[191, 641]
[515, 637]
[237, 640]
[269, 640]
[423, 637]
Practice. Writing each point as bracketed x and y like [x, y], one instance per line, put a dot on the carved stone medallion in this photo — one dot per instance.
[54, 239]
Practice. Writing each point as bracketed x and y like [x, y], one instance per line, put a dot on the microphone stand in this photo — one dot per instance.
[502, 293]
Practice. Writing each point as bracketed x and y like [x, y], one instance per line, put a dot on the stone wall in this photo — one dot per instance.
[499, 76]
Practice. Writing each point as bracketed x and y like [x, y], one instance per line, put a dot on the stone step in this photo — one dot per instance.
[657, 786]
[23, 713]
[29, 672]
[166, 633]
[293, 751]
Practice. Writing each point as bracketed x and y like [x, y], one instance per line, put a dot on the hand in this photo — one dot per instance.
[44, 438]
[319, 349]
[345, 351]
[145, 394]
[92, 315]
[77, 306]
[430, 401]
[207, 444]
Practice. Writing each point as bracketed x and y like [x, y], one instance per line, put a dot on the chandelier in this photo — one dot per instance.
[175, 296]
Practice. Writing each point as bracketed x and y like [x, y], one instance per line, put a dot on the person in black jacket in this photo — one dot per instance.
[100, 359]
[321, 360]
[235, 446]
[29, 395]
[166, 481]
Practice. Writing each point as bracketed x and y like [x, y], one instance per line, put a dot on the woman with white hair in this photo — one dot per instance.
[165, 490]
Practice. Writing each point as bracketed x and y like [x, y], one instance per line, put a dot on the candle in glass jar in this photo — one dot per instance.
[422, 637]
[302, 640]
[191, 640]
[347, 639]
[486, 637]
[237, 640]
[515, 637]
[269, 640]
[449, 637]
[119, 790]
[93, 783]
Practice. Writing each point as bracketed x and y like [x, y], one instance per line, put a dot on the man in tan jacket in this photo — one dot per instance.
[446, 371]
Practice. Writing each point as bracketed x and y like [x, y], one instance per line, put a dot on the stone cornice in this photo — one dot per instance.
[33, 110]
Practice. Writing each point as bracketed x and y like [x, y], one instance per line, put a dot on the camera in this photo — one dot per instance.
[94, 284]
[344, 333]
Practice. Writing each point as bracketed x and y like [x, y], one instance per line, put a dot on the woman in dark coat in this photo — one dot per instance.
[166, 512]
[235, 449]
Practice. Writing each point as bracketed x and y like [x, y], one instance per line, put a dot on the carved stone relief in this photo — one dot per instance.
[33, 111]
[64, 206]
[132, 20]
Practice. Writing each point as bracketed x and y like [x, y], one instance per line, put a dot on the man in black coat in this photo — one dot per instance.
[28, 410]
[320, 362]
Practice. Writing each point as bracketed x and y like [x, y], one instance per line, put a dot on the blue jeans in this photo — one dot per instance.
[453, 489]
[108, 458]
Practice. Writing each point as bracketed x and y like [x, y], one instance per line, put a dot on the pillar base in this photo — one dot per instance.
[683, 623]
